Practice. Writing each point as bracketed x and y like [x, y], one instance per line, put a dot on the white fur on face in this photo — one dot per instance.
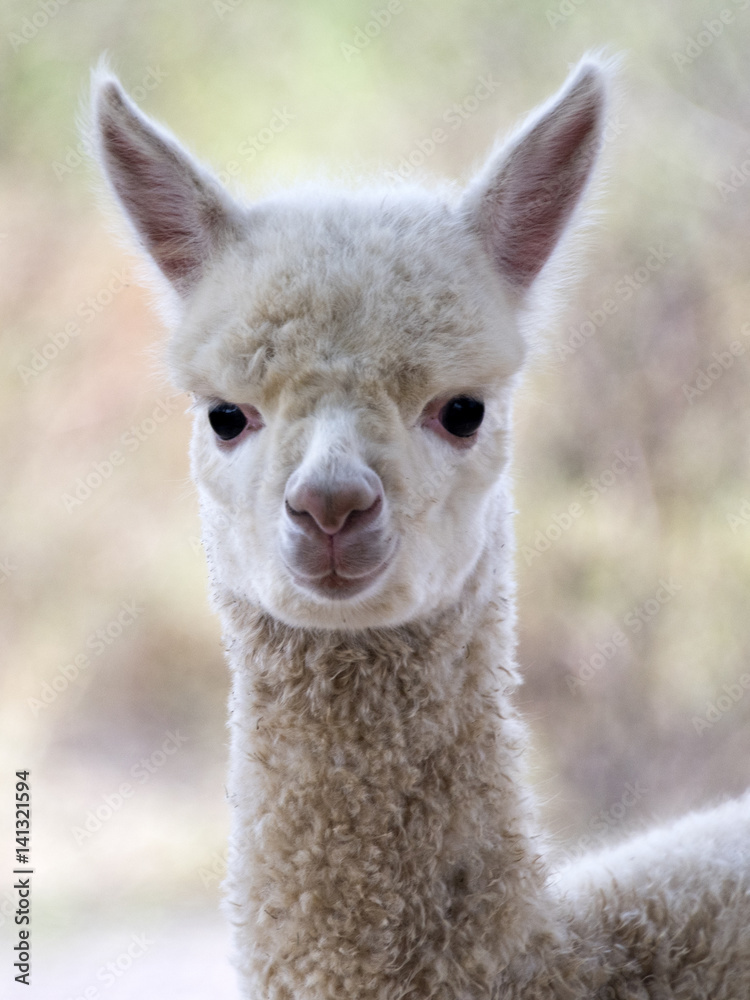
[344, 391]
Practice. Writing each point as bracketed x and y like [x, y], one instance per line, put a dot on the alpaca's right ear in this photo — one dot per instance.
[181, 215]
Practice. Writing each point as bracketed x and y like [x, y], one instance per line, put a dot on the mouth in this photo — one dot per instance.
[335, 587]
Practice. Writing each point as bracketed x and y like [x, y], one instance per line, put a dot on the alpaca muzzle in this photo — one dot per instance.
[334, 539]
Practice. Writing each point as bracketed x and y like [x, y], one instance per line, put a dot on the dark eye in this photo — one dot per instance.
[227, 420]
[461, 416]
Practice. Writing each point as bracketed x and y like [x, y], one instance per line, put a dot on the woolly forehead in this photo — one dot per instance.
[377, 296]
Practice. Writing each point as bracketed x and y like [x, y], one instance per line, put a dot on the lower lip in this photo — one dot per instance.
[339, 588]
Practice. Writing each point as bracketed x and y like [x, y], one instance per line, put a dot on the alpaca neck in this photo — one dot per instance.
[380, 842]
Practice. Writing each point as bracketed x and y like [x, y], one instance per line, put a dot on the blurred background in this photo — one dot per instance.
[632, 458]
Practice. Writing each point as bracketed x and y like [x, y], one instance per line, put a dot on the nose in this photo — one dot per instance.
[334, 506]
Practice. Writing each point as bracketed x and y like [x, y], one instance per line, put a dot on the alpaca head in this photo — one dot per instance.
[351, 358]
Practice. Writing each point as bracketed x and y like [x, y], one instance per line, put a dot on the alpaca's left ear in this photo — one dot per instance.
[180, 213]
[526, 195]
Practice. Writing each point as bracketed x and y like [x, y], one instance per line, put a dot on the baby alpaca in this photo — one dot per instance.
[352, 358]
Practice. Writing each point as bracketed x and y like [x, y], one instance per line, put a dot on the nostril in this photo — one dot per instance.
[298, 515]
[335, 508]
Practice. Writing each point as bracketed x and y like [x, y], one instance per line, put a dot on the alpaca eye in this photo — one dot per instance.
[227, 420]
[461, 416]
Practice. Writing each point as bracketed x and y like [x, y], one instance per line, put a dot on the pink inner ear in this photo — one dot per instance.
[155, 204]
[527, 203]
[176, 211]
